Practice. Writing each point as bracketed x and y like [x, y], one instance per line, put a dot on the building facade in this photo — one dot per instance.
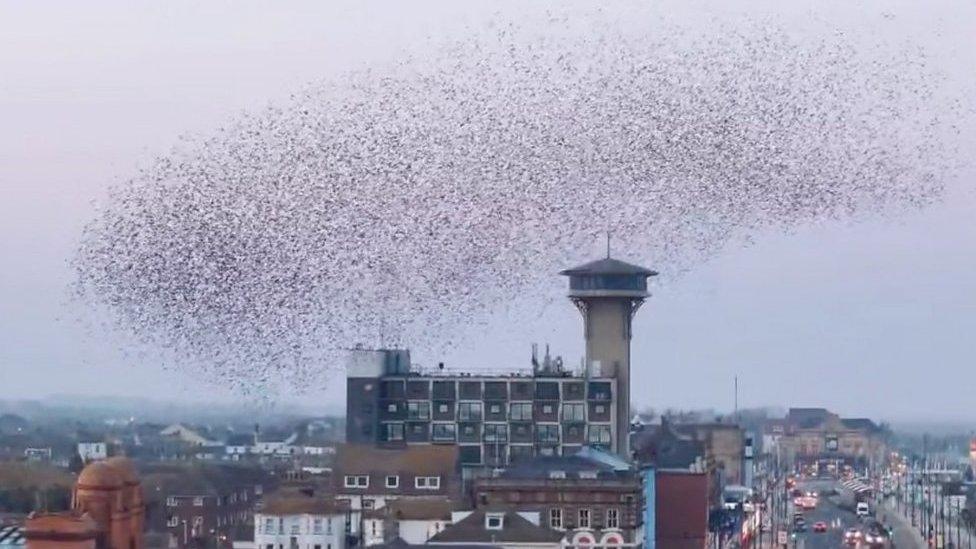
[809, 436]
[301, 520]
[493, 420]
[497, 419]
[593, 497]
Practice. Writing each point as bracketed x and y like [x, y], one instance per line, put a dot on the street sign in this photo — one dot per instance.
[781, 537]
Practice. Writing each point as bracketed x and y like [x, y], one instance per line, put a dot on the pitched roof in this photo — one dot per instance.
[399, 543]
[515, 529]
[302, 502]
[608, 266]
[197, 479]
[240, 440]
[664, 447]
[417, 460]
[572, 465]
[807, 418]
[859, 423]
[421, 509]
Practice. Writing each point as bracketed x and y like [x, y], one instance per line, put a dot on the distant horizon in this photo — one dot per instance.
[955, 425]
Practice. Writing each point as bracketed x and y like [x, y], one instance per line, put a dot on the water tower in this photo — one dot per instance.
[607, 293]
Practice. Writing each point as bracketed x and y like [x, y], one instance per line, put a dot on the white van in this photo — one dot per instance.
[863, 509]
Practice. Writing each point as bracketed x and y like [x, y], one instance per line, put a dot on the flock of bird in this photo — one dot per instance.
[413, 201]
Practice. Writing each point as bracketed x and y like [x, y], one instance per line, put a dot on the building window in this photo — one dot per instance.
[173, 521]
[587, 474]
[445, 431]
[198, 502]
[600, 409]
[599, 435]
[613, 518]
[556, 519]
[269, 526]
[391, 408]
[494, 521]
[357, 481]
[427, 483]
[547, 434]
[547, 409]
[496, 433]
[557, 474]
[368, 504]
[495, 408]
[317, 525]
[172, 502]
[520, 411]
[393, 481]
[584, 518]
[443, 408]
[574, 412]
[418, 410]
[469, 411]
[394, 431]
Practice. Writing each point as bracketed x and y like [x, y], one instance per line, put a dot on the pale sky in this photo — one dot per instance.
[873, 318]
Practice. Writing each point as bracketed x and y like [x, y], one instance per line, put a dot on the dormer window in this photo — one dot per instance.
[557, 474]
[494, 521]
[587, 474]
[357, 481]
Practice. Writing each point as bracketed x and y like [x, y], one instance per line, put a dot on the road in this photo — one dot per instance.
[838, 520]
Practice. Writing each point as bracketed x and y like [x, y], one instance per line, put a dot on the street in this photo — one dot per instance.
[827, 511]
[838, 520]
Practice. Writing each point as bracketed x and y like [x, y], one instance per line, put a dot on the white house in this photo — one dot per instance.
[90, 451]
[238, 446]
[185, 434]
[300, 519]
[276, 445]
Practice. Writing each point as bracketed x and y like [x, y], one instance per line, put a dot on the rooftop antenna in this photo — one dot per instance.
[608, 244]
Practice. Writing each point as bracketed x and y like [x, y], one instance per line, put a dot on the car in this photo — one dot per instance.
[875, 537]
[820, 526]
[852, 536]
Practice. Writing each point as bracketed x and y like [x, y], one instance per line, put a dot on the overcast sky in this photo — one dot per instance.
[873, 318]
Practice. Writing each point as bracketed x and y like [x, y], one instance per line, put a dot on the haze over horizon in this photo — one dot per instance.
[870, 317]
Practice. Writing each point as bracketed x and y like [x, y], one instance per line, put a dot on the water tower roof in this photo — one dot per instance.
[608, 266]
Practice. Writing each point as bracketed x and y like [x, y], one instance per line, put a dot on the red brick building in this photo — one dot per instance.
[681, 505]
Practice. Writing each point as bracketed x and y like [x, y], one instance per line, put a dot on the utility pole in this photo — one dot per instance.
[736, 400]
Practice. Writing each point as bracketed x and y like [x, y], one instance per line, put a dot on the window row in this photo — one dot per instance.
[494, 390]
[317, 525]
[499, 432]
[583, 516]
[477, 411]
[393, 481]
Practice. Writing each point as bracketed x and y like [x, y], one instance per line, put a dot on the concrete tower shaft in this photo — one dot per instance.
[607, 293]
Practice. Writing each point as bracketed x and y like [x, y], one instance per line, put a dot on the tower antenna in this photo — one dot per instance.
[608, 244]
